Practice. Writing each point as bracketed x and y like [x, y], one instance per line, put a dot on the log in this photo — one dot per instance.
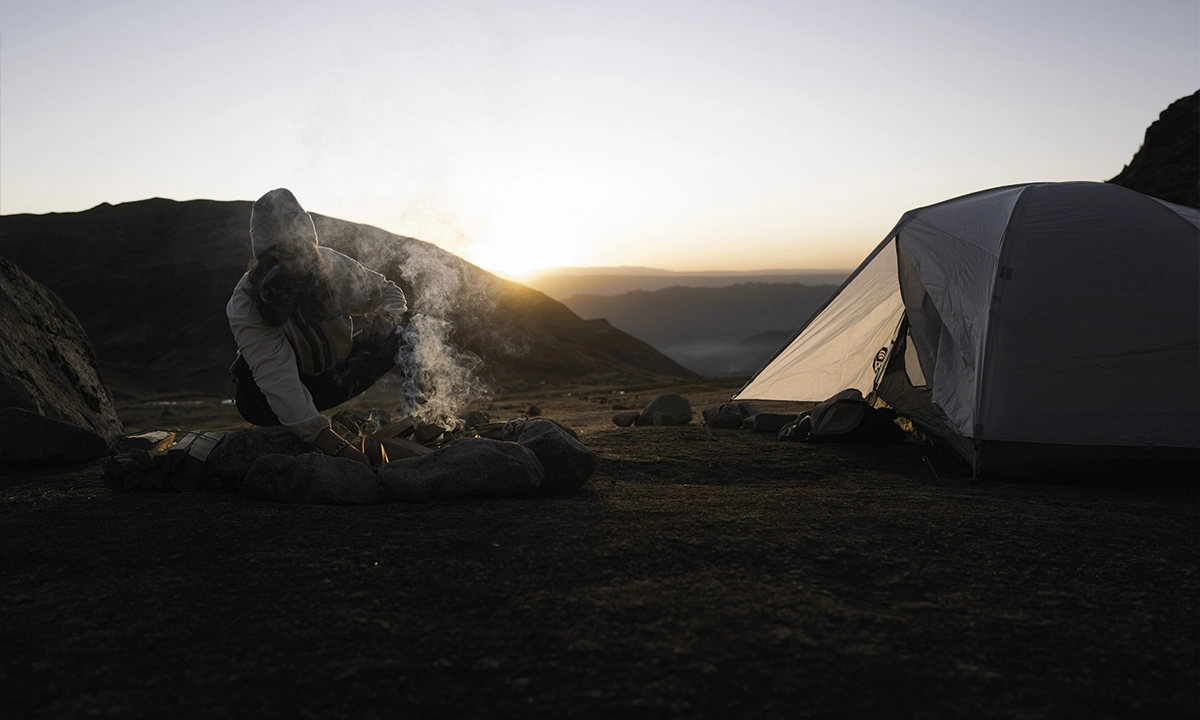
[178, 452]
[149, 441]
[153, 479]
[197, 457]
[399, 428]
[401, 448]
[426, 434]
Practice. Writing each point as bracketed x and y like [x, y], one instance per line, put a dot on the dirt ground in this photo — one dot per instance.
[732, 576]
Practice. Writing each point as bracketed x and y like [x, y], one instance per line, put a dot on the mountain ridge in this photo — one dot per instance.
[149, 281]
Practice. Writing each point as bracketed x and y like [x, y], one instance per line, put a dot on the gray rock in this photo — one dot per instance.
[626, 419]
[475, 418]
[534, 411]
[521, 428]
[663, 419]
[464, 467]
[232, 458]
[725, 416]
[566, 462]
[312, 478]
[48, 368]
[29, 437]
[747, 409]
[768, 422]
[677, 406]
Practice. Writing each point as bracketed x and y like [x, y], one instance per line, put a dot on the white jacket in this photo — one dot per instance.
[271, 352]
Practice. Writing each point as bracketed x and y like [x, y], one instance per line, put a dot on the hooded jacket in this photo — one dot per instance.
[278, 356]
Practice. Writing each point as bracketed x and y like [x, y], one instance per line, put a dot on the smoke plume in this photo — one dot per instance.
[439, 379]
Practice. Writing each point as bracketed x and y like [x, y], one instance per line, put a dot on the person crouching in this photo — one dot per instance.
[314, 328]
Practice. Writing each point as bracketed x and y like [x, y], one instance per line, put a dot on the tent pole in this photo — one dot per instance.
[975, 464]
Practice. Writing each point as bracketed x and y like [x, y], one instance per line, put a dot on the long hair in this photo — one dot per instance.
[278, 298]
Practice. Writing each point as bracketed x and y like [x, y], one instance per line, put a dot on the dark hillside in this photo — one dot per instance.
[1167, 166]
[149, 282]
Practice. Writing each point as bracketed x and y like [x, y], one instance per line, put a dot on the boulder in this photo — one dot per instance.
[626, 419]
[475, 418]
[566, 462]
[663, 419]
[29, 437]
[231, 460]
[521, 428]
[768, 422]
[468, 466]
[725, 416]
[312, 478]
[677, 406]
[48, 368]
[747, 409]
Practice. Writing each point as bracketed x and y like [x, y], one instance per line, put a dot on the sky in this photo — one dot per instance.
[687, 136]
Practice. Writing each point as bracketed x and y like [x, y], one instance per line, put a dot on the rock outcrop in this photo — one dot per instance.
[1167, 166]
[48, 371]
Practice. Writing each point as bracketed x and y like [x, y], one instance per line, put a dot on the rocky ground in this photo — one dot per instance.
[725, 576]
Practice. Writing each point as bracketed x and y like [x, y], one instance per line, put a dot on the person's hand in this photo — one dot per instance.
[330, 443]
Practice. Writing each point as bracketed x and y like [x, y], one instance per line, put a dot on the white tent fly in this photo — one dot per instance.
[1021, 325]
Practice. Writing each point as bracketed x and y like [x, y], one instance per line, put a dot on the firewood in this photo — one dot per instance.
[150, 441]
[197, 456]
[178, 451]
[400, 448]
[153, 479]
[426, 434]
[143, 460]
[399, 428]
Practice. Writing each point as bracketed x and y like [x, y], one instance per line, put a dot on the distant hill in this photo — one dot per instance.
[562, 283]
[1167, 166]
[149, 281]
[730, 330]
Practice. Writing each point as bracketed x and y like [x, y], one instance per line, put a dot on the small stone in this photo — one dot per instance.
[566, 462]
[534, 411]
[467, 466]
[626, 419]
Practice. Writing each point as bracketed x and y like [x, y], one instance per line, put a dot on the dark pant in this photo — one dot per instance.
[370, 359]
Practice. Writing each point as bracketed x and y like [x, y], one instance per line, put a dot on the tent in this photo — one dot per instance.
[1024, 326]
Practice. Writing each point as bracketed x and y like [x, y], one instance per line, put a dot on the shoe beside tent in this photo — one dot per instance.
[1024, 326]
